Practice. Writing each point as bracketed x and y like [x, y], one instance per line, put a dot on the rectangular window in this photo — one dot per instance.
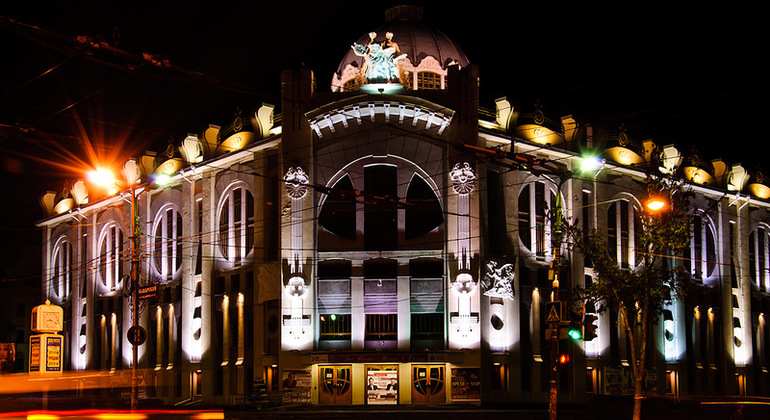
[428, 326]
[381, 327]
[334, 327]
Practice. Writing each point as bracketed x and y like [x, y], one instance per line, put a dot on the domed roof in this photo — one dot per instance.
[426, 49]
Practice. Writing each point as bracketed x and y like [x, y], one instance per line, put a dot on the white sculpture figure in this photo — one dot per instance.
[498, 282]
[380, 60]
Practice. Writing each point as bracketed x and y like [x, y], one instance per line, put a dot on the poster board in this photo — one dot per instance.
[466, 384]
[45, 353]
[382, 387]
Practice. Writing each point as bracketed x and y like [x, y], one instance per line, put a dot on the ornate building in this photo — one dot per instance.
[387, 244]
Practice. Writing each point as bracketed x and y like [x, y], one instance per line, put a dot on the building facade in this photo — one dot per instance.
[389, 244]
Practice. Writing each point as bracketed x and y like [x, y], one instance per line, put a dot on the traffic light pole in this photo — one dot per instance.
[557, 231]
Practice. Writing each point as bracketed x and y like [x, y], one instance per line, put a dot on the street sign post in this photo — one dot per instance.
[137, 335]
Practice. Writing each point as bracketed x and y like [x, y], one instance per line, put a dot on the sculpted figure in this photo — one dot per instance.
[380, 60]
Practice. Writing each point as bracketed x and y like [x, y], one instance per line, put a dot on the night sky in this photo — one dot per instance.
[689, 77]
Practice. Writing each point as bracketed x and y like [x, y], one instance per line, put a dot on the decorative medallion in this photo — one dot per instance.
[296, 182]
[462, 178]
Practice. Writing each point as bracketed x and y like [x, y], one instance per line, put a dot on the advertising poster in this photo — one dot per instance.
[466, 384]
[382, 387]
[34, 353]
[296, 379]
[7, 358]
[53, 354]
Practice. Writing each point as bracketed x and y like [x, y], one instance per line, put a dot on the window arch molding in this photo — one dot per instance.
[114, 256]
[703, 255]
[759, 255]
[235, 218]
[405, 176]
[62, 267]
[623, 227]
[535, 197]
[167, 241]
[355, 170]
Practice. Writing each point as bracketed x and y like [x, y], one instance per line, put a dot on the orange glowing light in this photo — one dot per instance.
[656, 204]
[101, 177]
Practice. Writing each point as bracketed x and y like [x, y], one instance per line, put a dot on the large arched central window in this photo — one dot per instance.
[167, 241]
[236, 224]
[61, 268]
[383, 202]
[113, 256]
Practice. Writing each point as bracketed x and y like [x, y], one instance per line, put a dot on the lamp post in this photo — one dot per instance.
[134, 297]
[105, 178]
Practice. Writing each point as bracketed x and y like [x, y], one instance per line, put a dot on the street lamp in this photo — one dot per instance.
[104, 178]
[656, 203]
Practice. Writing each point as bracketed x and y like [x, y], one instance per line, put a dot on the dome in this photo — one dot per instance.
[428, 53]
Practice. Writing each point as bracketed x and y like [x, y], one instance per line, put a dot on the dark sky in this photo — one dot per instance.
[690, 77]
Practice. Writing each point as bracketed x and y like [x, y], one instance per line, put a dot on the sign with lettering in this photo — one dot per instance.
[53, 353]
[45, 353]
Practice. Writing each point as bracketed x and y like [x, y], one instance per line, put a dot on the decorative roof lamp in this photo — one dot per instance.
[669, 160]
[236, 135]
[697, 170]
[623, 150]
[737, 178]
[63, 201]
[537, 128]
[167, 163]
[759, 185]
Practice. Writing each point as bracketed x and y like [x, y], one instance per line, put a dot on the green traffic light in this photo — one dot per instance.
[574, 334]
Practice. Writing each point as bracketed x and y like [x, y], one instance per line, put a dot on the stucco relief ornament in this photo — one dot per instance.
[296, 182]
[462, 178]
[498, 282]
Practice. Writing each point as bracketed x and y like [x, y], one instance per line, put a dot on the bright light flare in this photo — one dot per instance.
[590, 163]
[101, 177]
[656, 204]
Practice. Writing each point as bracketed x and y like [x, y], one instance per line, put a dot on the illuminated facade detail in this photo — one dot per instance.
[498, 282]
[296, 287]
[409, 256]
[465, 283]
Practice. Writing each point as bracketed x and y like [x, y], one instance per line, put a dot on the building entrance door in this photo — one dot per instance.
[428, 384]
[334, 385]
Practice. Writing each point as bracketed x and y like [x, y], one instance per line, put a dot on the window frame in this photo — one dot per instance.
[242, 244]
[112, 256]
[166, 243]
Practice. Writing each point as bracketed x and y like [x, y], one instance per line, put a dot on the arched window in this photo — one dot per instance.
[338, 214]
[759, 256]
[236, 224]
[535, 198]
[113, 256]
[424, 213]
[61, 269]
[623, 229]
[702, 255]
[167, 239]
